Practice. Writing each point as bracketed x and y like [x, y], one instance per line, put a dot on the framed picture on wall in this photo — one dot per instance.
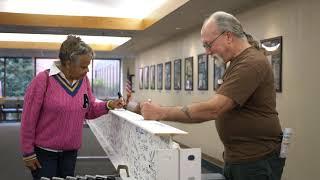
[167, 72]
[177, 74]
[146, 77]
[188, 74]
[140, 78]
[152, 77]
[273, 47]
[202, 72]
[159, 76]
[218, 71]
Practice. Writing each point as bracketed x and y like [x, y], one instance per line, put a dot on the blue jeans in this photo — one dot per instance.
[267, 168]
[55, 164]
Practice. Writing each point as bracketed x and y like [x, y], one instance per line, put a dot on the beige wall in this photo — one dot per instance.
[185, 46]
[298, 22]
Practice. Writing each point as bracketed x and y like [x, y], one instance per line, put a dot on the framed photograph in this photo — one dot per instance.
[177, 74]
[273, 47]
[140, 78]
[152, 77]
[218, 71]
[159, 76]
[167, 72]
[188, 74]
[146, 77]
[203, 72]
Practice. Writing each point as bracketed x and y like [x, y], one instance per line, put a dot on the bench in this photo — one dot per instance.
[10, 105]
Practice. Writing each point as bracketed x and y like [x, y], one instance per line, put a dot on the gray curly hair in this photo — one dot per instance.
[72, 48]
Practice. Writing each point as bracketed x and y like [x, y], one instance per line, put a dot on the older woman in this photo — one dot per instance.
[57, 102]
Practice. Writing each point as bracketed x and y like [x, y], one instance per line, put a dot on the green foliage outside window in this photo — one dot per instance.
[2, 76]
[19, 73]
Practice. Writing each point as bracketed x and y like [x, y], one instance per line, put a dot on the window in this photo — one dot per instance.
[18, 73]
[43, 64]
[1, 77]
[106, 78]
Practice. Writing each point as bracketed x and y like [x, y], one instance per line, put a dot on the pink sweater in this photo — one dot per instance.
[53, 117]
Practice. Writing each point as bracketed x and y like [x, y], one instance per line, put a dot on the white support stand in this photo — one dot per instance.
[145, 147]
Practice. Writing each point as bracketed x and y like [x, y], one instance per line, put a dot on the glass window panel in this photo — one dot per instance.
[18, 73]
[89, 74]
[1, 77]
[43, 64]
[106, 78]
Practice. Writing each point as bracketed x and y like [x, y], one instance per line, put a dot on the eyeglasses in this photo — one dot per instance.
[208, 45]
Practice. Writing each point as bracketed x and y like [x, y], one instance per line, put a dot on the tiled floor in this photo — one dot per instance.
[14, 169]
[104, 167]
[207, 167]
[95, 167]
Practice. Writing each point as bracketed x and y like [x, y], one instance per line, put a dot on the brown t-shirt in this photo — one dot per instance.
[251, 130]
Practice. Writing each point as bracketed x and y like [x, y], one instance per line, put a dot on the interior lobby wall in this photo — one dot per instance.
[297, 21]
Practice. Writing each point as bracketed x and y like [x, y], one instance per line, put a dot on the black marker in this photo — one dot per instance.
[119, 95]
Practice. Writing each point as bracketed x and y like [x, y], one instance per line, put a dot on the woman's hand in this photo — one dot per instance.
[118, 103]
[32, 164]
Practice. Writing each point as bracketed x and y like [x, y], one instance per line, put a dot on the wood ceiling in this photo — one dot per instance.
[176, 17]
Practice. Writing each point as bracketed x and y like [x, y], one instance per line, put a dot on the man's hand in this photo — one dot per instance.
[152, 111]
[32, 164]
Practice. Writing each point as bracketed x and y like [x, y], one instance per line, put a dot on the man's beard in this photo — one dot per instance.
[218, 60]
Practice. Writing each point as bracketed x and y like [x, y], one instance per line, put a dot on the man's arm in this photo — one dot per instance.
[195, 113]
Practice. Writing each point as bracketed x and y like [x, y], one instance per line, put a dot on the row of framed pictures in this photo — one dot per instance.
[273, 47]
[158, 72]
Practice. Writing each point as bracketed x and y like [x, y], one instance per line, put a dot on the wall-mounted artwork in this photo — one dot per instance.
[159, 76]
[167, 72]
[177, 74]
[140, 78]
[146, 77]
[273, 47]
[202, 72]
[152, 77]
[188, 74]
[218, 70]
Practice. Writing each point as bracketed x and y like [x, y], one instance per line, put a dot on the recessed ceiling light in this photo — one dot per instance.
[120, 8]
[54, 38]
[53, 41]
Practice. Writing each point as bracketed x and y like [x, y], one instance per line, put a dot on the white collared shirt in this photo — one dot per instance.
[55, 70]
